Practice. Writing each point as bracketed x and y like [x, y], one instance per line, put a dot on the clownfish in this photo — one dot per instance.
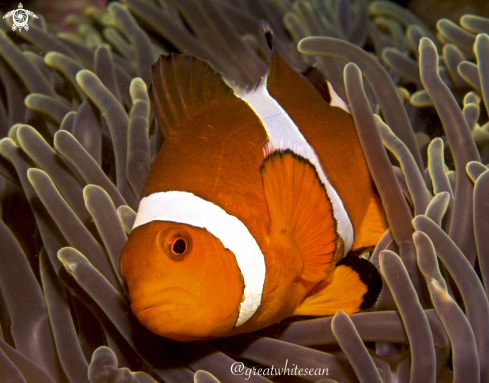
[251, 206]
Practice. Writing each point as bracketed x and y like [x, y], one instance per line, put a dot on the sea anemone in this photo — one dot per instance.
[80, 138]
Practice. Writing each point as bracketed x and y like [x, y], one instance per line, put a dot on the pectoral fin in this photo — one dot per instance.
[301, 212]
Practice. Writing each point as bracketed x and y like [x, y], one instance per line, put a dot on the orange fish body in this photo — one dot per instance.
[250, 207]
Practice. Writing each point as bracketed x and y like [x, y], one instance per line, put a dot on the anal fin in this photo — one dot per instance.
[355, 286]
[301, 212]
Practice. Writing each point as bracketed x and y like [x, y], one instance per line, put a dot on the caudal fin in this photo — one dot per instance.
[355, 286]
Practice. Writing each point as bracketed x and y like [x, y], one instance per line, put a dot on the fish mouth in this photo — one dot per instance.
[174, 296]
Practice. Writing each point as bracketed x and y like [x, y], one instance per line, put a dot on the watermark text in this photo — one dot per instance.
[238, 368]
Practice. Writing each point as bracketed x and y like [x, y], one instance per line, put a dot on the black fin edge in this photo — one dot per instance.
[267, 32]
[369, 275]
[318, 80]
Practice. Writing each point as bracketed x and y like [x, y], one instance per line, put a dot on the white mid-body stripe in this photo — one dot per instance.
[184, 207]
[283, 134]
[337, 100]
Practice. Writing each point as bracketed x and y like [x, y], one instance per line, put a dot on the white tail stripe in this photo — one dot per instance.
[183, 207]
[284, 134]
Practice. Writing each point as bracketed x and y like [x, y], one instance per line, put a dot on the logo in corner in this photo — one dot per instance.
[20, 17]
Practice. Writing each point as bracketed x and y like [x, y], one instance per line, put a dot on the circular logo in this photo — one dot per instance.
[20, 17]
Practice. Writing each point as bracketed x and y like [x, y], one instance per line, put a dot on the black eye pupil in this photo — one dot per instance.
[179, 246]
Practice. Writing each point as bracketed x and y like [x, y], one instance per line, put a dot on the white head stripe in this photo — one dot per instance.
[337, 100]
[284, 134]
[183, 207]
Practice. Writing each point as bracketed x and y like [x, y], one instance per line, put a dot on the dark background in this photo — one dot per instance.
[430, 11]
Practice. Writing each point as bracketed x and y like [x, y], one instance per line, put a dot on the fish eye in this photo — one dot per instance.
[179, 246]
[175, 243]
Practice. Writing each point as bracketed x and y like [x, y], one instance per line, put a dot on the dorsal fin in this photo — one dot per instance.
[183, 86]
